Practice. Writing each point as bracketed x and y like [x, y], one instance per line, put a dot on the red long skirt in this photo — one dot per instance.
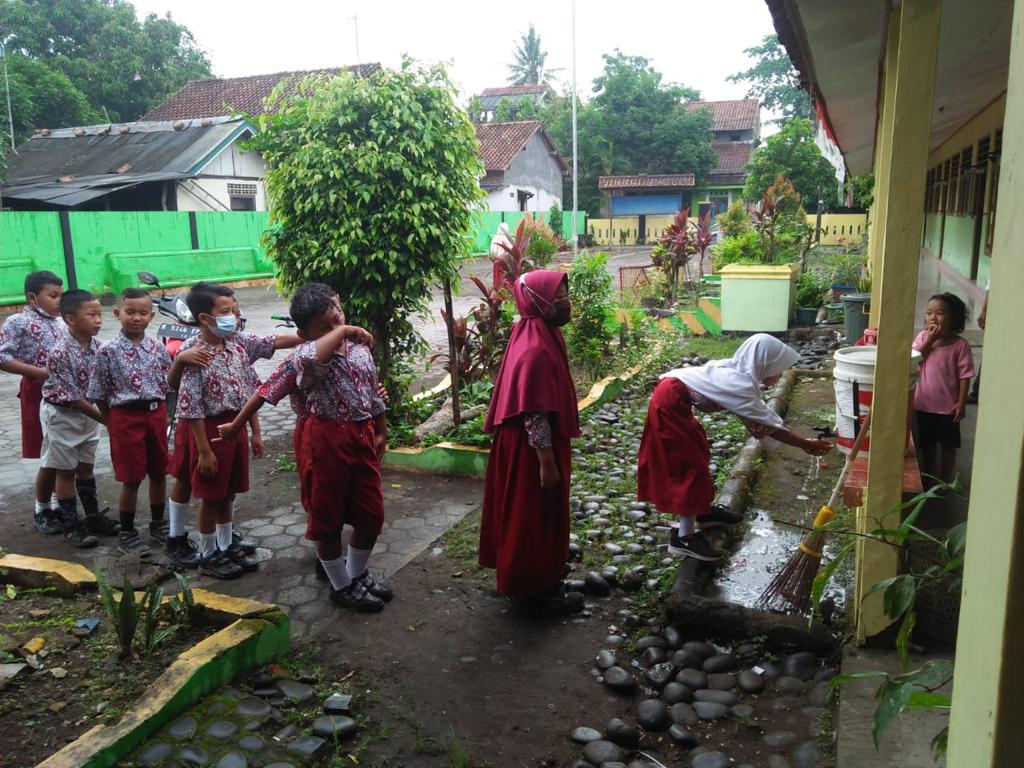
[672, 468]
[524, 530]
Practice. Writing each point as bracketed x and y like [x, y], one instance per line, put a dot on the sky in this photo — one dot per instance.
[691, 42]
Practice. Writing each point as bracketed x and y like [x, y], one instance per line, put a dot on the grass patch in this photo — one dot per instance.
[463, 540]
[713, 347]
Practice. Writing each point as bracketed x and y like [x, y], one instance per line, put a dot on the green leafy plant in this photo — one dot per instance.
[152, 633]
[590, 289]
[810, 290]
[912, 689]
[183, 607]
[373, 182]
[543, 244]
[735, 221]
[555, 218]
[123, 613]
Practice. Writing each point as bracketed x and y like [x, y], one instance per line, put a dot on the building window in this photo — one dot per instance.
[719, 199]
[242, 197]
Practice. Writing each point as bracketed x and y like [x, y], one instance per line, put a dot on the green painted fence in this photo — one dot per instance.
[109, 247]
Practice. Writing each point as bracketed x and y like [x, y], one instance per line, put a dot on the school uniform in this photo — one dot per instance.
[257, 348]
[131, 377]
[69, 436]
[283, 381]
[215, 394]
[28, 337]
[339, 471]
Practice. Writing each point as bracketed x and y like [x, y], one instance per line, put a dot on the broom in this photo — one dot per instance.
[791, 587]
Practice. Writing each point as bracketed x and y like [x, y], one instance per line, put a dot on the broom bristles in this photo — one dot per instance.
[791, 588]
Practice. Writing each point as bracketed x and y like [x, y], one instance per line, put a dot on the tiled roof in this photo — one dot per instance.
[500, 143]
[732, 158]
[645, 181]
[737, 115]
[515, 90]
[210, 98]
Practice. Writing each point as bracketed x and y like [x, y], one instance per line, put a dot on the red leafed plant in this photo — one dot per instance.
[679, 244]
[513, 262]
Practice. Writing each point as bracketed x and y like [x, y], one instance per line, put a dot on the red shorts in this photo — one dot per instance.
[339, 474]
[31, 395]
[232, 460]
[673, 462]
[138, 443]
[180, 467]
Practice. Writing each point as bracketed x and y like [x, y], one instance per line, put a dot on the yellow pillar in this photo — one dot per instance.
[908, 137]
[988, 690]
[883, 157]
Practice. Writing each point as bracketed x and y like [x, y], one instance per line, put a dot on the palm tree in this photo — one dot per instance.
[528, 68]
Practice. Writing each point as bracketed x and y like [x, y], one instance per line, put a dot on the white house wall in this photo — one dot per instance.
[505, 199]
[218, 189]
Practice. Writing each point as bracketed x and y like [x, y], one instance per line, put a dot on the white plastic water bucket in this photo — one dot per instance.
[854, 377]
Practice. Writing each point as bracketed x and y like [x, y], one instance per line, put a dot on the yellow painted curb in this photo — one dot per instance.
[68, 578]
[693, 323]
[599, 387]
[242, 607]
[158, 695]
[711, 309]
[759, 271]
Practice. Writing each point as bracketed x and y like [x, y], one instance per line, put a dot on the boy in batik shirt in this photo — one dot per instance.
[129, 386]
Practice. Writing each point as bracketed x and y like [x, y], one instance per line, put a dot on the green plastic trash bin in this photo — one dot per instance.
[856, 310]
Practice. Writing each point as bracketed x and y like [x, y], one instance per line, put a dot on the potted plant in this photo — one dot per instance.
[759, 265]
[809, 294]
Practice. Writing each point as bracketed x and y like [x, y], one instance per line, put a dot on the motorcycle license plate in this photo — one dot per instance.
[176, 331]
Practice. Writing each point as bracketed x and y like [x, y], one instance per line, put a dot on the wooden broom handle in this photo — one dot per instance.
[850, 458]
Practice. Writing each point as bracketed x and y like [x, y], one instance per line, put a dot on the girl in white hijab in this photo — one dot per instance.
[673, 466]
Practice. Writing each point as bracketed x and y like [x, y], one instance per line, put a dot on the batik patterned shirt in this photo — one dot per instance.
[342, 389]
[282, 381]
[126, 371]
[29, 337]
[223, 385]
[70, 366]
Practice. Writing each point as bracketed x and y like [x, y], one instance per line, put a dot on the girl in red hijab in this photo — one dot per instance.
[524, 531]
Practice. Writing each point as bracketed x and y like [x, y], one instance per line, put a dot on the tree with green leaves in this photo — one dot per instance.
[774, 81]
[529, 59]
[372, 182]
[792, 153]
[635, 123]
[93, 60]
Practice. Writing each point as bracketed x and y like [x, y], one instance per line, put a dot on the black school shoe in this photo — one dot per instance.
[101, 525]
[357, 597]
[555, 602]
[76, 535]
[47, 521]
[694, 545]
[219, 566]
[376, 588]
[182, 552]
[237, 556]
[719, 517]
[247, 547]
[159, 530]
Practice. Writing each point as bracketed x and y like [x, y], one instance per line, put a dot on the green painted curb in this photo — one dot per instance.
[709, 324]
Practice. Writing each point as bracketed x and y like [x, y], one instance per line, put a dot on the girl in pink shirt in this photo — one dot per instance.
[941, 395]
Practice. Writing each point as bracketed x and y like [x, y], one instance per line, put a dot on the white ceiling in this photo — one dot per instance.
[844, 45]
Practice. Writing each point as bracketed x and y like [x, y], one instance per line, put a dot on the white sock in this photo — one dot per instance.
[207, 544]
[176, 512]
[357, 560]
[54, 502]
[337, 572]
[686, 525]
[223, 536]
[41, 505]
[231, 507]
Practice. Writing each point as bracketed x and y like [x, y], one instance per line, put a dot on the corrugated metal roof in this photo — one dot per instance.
[69, 166]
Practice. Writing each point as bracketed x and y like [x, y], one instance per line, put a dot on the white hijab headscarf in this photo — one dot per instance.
[735, 384]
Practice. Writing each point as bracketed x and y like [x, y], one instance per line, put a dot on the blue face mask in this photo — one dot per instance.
[225, 326]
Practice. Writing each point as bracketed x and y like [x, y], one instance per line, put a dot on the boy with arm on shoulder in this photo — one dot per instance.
[207, 397]
[71, 423]
[346, 429]
[179, 547]
[26, 340]
[129, 386]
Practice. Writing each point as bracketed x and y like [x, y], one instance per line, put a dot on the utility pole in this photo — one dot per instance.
[355, 24]
[575, 166]
[7, 89]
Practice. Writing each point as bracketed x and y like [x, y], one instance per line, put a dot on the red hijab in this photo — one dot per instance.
[534, 373]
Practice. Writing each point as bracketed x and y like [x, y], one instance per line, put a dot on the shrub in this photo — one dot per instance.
[555, 219]
[810, 290]
[590, 288]
[735, 221]
[543, 245]
[738, 249]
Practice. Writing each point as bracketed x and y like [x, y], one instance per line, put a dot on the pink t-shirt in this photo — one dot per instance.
[941, 372]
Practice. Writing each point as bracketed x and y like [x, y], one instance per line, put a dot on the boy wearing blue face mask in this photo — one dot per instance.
[208, 396]
[129, 385]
